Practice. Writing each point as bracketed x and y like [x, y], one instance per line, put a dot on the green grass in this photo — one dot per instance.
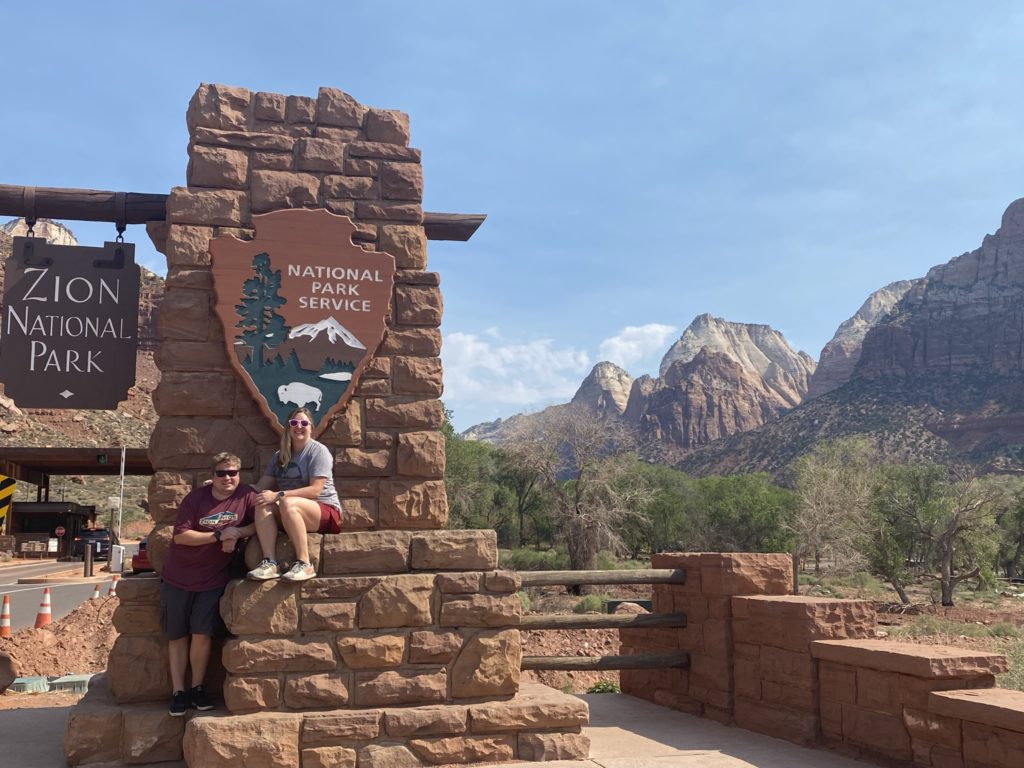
[1013, 679]
[604, 686]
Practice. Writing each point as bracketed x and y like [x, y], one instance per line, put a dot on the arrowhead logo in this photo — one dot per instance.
[303, 310]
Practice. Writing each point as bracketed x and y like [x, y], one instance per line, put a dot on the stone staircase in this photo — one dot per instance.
[404, 651]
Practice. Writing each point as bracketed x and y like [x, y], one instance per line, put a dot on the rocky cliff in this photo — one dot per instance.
[840, 356]
[759, 349]
[940, 376]
[695, 402]
[605, 391]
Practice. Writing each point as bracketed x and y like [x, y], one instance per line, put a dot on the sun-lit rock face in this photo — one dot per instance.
[758, 349]
[840, 356]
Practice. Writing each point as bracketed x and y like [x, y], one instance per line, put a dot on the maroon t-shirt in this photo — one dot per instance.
[207, 566]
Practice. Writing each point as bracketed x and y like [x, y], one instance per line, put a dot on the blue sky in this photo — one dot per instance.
[640, 163]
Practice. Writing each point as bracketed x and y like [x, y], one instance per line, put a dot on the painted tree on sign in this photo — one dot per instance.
[261, 325]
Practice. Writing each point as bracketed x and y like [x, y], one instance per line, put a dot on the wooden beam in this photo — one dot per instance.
[592, 663]
[602, 621]
[140, 207]
[565, 578]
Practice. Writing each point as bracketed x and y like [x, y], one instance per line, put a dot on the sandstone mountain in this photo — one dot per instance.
[718, 379]
[758, 349]
[605, 391]
[939, 377]
[840, 356]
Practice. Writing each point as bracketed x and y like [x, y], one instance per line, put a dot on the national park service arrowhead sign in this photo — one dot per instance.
[303, 309]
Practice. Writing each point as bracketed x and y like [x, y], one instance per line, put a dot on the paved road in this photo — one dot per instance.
[64, 598]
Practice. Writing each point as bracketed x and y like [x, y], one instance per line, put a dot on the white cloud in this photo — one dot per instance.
[529, 373]
[635, 342]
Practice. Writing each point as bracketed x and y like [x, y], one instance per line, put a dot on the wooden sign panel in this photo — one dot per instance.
[303, 309]
[70, 324]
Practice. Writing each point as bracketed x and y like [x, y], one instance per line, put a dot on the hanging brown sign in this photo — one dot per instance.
[70, 324]
[303, 309]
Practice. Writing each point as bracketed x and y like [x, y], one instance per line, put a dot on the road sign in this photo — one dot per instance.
[59, 531]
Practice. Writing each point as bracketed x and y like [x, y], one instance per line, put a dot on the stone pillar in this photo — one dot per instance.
[252, 153]
[712, 579]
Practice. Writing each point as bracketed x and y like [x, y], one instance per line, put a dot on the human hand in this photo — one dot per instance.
[228, 545]
[266, 497]
[229, 533]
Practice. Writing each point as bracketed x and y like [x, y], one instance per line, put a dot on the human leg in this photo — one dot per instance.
[266, 532]
[177, 654]
[299, 516]
[175, 609]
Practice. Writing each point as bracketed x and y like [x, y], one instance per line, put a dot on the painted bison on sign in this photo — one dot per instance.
[300, 394]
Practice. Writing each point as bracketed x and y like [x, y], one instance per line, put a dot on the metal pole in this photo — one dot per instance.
[87, 558]
[120, 500]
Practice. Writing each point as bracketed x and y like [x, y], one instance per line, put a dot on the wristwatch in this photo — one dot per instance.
[280, 495]
[216, 535]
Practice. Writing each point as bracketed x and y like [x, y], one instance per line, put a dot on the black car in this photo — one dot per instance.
[99, 539]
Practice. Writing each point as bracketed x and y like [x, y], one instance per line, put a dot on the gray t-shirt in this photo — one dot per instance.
[314, 460]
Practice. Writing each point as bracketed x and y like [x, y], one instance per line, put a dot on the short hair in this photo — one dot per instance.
[227, 458]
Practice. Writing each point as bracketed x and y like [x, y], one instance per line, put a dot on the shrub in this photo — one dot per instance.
[591, 604]
[525, 559]
[604, 686]
[524, 601]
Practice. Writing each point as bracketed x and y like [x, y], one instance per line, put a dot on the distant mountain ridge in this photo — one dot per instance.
[719, 378]
[940, 376]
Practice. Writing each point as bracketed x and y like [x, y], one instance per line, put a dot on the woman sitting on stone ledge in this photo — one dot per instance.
[297, 493]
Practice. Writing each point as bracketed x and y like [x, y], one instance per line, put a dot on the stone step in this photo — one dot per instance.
[539, 723]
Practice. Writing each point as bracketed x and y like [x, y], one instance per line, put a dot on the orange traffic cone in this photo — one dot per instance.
[96, 592]
[43, 617]
[113, 586]
[5, 618]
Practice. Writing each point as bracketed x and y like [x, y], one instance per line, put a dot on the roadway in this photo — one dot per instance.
[64, 597]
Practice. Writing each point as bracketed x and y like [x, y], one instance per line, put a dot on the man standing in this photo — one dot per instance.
[210, 521]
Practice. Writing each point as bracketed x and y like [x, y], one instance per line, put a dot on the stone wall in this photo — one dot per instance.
[251, 153]
[809, 670]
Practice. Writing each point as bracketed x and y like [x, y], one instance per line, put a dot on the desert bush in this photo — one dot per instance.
[604, 686]
[591, 604]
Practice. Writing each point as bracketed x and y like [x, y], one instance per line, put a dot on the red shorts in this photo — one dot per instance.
[330, 519]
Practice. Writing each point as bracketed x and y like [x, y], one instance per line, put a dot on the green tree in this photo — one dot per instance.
[741, 513]
[834, 485]
[586, 466]
[262, 326]
[944, 519]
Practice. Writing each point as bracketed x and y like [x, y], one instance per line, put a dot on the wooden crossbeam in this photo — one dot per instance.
[640, 576]
[591, 663]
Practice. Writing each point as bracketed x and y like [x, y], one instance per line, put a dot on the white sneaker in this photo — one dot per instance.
[300, 571]
[265, 571]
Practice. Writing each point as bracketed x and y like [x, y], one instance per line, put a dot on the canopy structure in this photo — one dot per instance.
[37, 465]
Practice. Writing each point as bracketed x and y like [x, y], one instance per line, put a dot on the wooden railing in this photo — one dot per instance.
[610, 621]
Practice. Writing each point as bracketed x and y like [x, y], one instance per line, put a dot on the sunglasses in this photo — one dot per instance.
[226, 472]
[298, 422]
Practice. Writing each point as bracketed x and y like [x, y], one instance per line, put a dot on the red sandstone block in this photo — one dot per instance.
[734, 573]
[694, 606]
[831, 719]
[924, 661]
[746, 651]
[915, 692]
[932, 728]
[878, 691]
[942, 757]
[718, 714]
[686, 561]
[788, 667]
[747, 678]
[717, 638]
[710, 672]
[793, 697]
[800, 728]
[877, 732]
[996, 707]
[720, 607]
[991, 747]
[837, 682]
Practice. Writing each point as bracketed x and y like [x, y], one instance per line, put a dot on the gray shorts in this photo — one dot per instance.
[185, 613]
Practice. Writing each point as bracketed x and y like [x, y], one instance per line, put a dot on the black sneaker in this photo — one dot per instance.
[199, 698]
[179, 704]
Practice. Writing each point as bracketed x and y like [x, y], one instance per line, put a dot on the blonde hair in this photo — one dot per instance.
[285, 451]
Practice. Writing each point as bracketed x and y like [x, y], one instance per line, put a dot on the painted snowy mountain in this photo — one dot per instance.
[335, 331]
[315, 343]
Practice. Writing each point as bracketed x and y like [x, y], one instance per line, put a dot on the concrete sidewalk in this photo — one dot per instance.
[625, 733]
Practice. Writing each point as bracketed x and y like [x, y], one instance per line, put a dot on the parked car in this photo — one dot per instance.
[140, 561]
[99, 539]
